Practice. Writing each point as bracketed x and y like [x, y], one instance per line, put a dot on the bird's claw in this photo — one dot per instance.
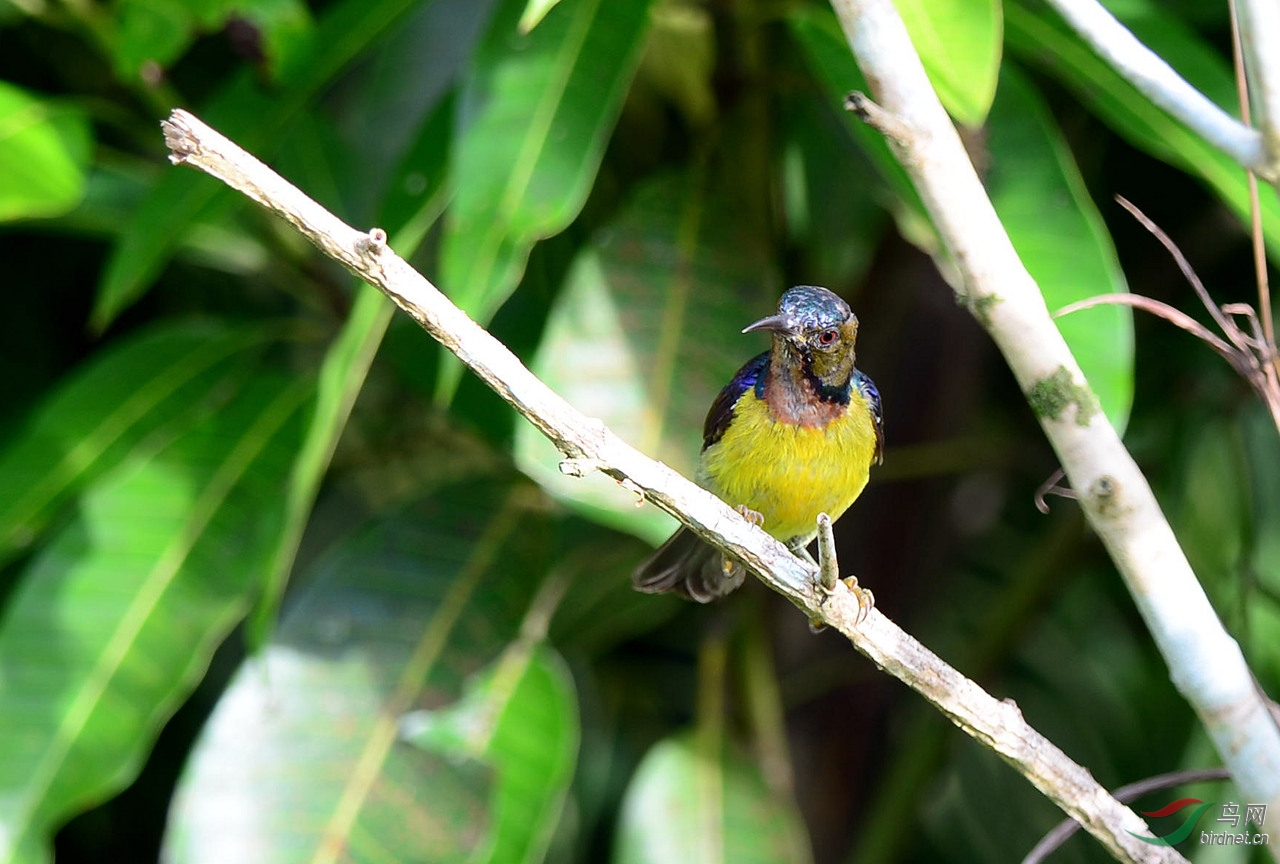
[866, 600]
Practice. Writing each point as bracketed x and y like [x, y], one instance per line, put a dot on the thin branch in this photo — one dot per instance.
[1270, 359]
[1205, 662]
[1172, 314]
[1158, 81]
[1260, 42]
[1252, 356]
[1127, 794]
[588, 446]
[1258, 341]
[1184, 265]
[1255, 208]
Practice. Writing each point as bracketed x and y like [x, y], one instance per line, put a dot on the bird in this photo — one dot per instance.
[792, 435]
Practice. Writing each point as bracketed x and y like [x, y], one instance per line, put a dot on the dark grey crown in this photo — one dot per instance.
[809, 307]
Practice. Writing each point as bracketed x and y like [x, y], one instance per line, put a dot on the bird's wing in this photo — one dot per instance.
[722, 409]
[867, 388]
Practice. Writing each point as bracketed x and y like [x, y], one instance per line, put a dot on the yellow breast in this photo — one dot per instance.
[788, 473]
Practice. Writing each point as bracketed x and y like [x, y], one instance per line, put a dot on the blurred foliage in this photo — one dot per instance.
[280, 584]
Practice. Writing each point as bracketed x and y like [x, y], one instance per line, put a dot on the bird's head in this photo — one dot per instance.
[815, 330]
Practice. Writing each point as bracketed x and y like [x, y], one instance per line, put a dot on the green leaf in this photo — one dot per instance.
[151, 235]
[300, 760]
[1259, 470]
[286, 27]
[687, 805]
[1263, 476]
[419, 190]
[160, 31]
[540, 109]
[254, 119]
[534, 12]
[600, 609]
[115, 621]
[111, 192]
[151, 32]
[346, 363]
[44, 154]
[679, 61]
[1212, 513]
[643, 336]
[959, 43]
[834, 217]
[154, 384]
[342, 375]
[1047, 43]
[823, 45]
[520, 718]
[1041, 199]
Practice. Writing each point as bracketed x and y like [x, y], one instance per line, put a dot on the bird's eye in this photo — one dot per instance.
[828, 337]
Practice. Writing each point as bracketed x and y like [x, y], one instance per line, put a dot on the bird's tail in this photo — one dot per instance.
[688, 566]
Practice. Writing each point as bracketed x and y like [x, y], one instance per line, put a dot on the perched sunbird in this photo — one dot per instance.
[794, 434]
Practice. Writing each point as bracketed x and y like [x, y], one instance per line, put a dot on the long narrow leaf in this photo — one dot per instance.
[643, 335]
[256, 120]
[166, 375]
[301, 761]
[818, 34]
[115, 621]
[518, 717]
[44, 155]
[959, 43]
[347, 362]
[342, 374]
[664, 819]
[1041, 198]
[539, 109]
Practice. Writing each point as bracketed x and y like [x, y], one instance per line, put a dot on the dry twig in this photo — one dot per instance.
[1252, 354]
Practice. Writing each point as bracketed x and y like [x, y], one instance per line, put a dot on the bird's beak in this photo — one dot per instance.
[774, 324]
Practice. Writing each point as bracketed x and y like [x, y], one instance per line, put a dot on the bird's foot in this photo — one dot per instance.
[829, 575]
[866, 602]
[732, 569]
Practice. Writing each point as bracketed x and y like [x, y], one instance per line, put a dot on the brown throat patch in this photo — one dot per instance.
[792, 399]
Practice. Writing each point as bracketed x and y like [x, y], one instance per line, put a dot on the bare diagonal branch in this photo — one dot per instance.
[588, 445]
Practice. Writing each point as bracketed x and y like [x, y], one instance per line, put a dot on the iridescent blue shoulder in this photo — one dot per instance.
[867, 390]
[721, 413]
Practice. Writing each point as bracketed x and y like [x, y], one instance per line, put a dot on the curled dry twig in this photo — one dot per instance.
[1052, 487]
[1253, 354]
